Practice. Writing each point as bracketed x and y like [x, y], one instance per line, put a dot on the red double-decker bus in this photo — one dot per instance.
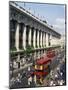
[42, 66]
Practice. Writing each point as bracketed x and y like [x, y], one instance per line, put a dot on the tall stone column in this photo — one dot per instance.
[17, 37]
[38, 38]
[24, 37]
[29, 37]
[50, 39]
[34, 38]
[41, 39]
[46, 39]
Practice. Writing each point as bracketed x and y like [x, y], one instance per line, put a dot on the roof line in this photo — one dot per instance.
[31, 15]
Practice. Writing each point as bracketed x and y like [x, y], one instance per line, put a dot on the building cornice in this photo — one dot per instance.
[21, 9]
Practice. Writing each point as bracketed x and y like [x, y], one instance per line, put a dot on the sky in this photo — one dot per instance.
[54, 14]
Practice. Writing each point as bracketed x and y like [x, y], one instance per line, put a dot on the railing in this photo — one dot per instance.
[34, 49]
